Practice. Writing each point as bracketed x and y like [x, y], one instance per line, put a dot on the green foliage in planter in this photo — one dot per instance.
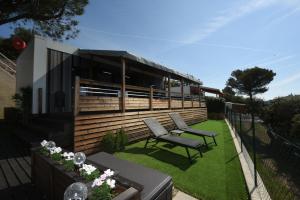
[56, 156]
[103, 192]
[91, 176]
[115, 142]
[44, 151]
[68, 165]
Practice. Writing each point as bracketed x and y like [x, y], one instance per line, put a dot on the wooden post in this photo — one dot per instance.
[151, 98]
[192, 98]
[123, 86]
[169, 91]
[76, 95]
[40, 100]
[182, 93]
[199, 92]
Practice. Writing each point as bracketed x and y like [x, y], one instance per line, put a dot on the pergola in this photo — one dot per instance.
[123, 59]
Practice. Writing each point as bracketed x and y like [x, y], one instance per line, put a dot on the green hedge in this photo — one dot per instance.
[215, 107]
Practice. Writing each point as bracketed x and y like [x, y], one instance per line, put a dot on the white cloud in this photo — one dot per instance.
[88, 31]
[286, 81]
[233, 14]
[281, 59]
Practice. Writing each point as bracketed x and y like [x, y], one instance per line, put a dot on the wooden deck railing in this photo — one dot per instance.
[99, 96]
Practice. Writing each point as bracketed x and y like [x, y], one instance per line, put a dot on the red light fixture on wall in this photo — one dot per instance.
[18, 43]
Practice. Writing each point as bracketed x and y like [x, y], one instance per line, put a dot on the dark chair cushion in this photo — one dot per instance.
[200, 132]
[154, 182]
[181, 141]
[180, 123]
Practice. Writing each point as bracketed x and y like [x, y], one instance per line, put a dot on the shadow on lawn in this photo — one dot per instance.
[166, 156]
[233, 158]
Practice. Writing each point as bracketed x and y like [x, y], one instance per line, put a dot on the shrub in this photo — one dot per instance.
[115, 142]
[280, 113]
[295, 129]
[215, 105]
[23, 102]
[108, 143]
[121, 140]
[23, 99]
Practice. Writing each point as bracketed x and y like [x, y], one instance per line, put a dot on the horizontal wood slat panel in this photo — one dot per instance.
[98, 103]
[90, 129]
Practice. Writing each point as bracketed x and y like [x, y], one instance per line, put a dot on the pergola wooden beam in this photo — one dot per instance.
[123, 85]
[151, 98]
[169, 91]
[182, 93]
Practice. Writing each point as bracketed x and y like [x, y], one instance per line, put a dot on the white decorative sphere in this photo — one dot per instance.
[76, 191]
[50, 145]
[79, 158]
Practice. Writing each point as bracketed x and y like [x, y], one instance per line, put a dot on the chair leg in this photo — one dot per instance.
[200, 152]
[147, 142]
[188, 153]
[205, 141]
[215, 140]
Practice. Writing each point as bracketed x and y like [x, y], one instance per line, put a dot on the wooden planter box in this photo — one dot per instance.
[51, 179]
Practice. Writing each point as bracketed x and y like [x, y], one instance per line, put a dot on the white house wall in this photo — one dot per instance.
[36, 63]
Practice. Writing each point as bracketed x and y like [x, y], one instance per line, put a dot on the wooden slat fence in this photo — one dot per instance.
[90, 129]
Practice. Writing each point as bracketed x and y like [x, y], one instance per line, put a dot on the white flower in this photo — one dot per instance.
[111, 183]
[103, 177]
[87, 168]
[109, 172]
[43, 143]
[97, 182]
[58, 149]
[71, 154]
[55, 150]
[68, 156]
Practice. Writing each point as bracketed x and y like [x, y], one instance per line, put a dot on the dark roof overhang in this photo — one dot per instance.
[141, 60]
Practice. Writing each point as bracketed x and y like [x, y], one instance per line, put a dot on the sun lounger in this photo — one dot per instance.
[181, 125]
[161, 134]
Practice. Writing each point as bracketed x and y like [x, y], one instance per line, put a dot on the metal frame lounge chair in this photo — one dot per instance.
[161, 134]
[181, 125]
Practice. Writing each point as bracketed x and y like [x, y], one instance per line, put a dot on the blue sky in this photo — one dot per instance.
[208, 39]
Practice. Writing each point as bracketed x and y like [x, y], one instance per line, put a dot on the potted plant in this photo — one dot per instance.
[54, 169]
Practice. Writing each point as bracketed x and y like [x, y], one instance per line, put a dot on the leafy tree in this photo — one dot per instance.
[228, 94]
[53, 18]
[228, 90]
[6, 46]
[250, 82]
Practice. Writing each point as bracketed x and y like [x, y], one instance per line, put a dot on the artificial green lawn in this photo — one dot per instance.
[217, 175]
